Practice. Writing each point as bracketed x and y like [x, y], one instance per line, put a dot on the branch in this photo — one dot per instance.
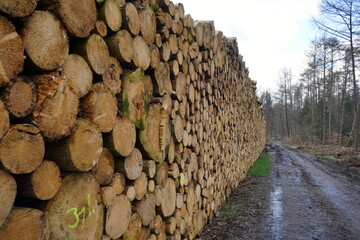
[331, 31]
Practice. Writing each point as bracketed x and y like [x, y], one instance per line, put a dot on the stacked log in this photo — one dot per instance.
[119, 120]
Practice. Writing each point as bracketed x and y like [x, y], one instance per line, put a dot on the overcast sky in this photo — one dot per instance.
[271, 34]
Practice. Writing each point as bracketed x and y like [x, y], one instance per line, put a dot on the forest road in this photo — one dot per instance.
[310, 198]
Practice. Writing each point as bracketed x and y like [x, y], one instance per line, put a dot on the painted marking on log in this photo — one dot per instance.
[81, 213]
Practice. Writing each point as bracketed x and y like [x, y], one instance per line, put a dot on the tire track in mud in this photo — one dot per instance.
[309, 200]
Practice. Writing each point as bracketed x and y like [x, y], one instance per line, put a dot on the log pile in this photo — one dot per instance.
[119, 120]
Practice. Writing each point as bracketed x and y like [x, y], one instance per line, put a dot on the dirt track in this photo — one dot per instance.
[303, 198]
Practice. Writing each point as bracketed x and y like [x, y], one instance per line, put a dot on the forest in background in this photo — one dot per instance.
[322, 106]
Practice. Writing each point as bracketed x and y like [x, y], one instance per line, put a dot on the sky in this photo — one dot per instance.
[271, 34]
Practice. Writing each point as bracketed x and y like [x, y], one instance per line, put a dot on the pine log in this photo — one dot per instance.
[149, 168]
[121, 45]
[26, 221]
[108, 195]
[171, 151]
[76, 211]
[11, 49]
[178, 128]
[42, 184]
[168, 203]
[7, 195]
[100, 28]
[141, 53]
[118, 217]
[135, 231]
[131, 20]
[45, 40]
[18, 8]
[148, 24]
[22, 149]
[20, 96]
[78, 16]
[151, 185]
[78, 73]
[130, 192]
[170, 225]
[161, 174]
[110, 12]
[135, 97]
[95, 51]
[104, 169]
[118, 182]
[132, 165]
[4, 119]
[56, 107]
[162, 77]
[155, 138]
[121, 141]
[140, 185]
[146, 209]
[79, 152]
[165, 51]
[100, 106]
[155, 56]
[157, 225]
[112, 76]
[179, 86]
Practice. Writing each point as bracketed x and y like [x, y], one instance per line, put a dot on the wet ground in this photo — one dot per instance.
[304, 197]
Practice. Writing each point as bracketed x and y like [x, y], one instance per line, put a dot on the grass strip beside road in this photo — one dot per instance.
[261, 166]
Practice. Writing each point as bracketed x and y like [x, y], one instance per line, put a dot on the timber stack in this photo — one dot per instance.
[119, 120]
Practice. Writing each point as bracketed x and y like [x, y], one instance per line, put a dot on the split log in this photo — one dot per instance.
[135, 231]
[18, 8]
[42, 184]
[79, 152]
[104, 169]
[141, 53]
[20, 96]
[118, 217]
[22, 149]
[100, 106]
[78, 16]
[95, 51]
[33, 221]
[76, 211]
[148, 24]
[168, 203]
[11, 49]
[162, 77]
[146, 209]
[121, 141]
[110, 12]
[45, 40]
[4, 119]
[132, 165]
[121, 45]
[155, 137]
[131, 20]
[78, 73]
[7, 195]
[135, 97]
[56, 107]
[112, 76]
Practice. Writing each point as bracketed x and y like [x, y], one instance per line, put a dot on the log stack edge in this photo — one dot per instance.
[119, 120]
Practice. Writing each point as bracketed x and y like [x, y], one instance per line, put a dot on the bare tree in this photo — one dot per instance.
[340, 18]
